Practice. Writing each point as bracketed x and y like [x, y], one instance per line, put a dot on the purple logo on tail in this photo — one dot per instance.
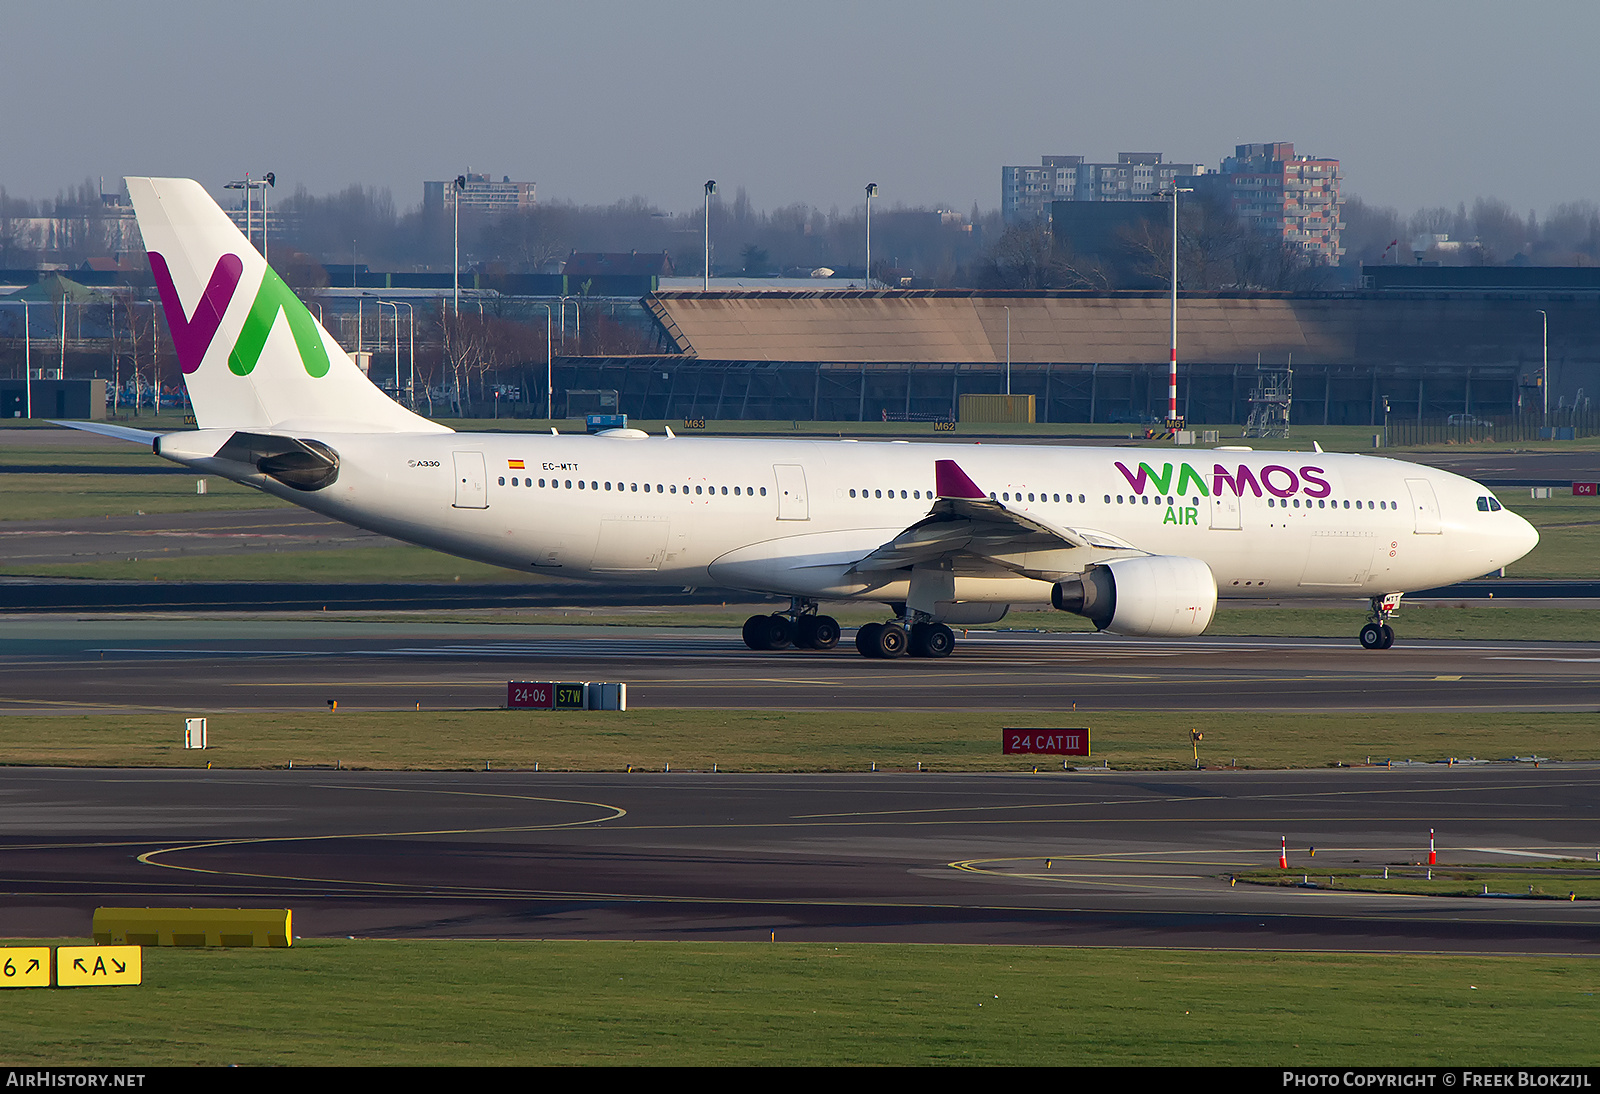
[192, 334]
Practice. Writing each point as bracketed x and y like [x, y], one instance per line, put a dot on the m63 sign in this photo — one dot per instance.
[1046, 742]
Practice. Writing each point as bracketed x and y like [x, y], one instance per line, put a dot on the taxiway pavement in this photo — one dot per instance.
[1079, 859]
[89, 664]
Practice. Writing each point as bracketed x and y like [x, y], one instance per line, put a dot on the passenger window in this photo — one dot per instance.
[763, 491]
[697, 490]
[852, 491]
[724, 489]
[502, 480]
[541, 482]
[1030, 497]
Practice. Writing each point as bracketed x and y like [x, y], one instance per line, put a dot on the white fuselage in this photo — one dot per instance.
[792, 516]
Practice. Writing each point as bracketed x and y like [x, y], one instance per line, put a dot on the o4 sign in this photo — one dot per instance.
[1045, 742]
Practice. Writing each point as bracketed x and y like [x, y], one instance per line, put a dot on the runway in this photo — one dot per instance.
[67, 665]
[1104, 859]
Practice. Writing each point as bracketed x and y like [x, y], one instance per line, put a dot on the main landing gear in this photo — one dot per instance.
[892, 639]
[800, 627]
[1377, 634]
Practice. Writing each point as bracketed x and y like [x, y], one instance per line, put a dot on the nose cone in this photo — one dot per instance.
[1521, 538]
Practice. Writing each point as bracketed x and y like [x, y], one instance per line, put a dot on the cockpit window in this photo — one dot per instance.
[1483, 505]
[1494, 504]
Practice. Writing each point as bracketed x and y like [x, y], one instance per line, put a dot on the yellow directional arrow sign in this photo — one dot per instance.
[98, 966]
[25, 967]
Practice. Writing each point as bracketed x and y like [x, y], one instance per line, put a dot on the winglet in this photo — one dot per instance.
[952, 482]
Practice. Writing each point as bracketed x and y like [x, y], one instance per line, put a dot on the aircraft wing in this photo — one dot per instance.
[966, 528]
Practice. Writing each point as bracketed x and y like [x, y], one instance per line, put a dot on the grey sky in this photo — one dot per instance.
[1426, 103]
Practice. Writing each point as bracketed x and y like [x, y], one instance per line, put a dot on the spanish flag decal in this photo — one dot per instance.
[515, 465]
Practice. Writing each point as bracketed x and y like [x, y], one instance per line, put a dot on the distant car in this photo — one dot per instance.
[1465, 419]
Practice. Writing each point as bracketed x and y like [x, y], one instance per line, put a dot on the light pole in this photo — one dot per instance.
[27, 356]
[872, 191]
[271, 180]
[411, 352]
[249, 186]
[577, 320]
[1544, 374]
[711, 188]
[549, 367]
[396, 307]
[1008, 351]
[455, 265]
[1173, 421]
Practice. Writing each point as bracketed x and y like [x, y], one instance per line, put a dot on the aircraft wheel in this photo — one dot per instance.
[755, 630]
[817, 632]
[1388, 636]
[1372, 637]
[891, 640]
[778, 633]
[938, 640]
[867, 640]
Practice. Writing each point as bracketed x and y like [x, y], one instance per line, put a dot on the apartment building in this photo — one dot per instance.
[1026, 193]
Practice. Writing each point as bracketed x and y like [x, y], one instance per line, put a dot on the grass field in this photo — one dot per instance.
[764, 740]
[499, 1003]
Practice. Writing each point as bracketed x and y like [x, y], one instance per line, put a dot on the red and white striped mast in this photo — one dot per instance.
[1173, 421]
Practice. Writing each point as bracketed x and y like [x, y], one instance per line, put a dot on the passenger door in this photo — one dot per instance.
[472, 481]
[792, 504]
[1424, 506]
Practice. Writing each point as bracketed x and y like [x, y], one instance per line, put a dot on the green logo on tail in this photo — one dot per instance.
[272, 298]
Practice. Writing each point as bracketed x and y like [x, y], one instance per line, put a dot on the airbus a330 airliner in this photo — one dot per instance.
[1138, 541]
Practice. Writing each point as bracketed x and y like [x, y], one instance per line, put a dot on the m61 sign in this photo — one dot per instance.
[1044, 742]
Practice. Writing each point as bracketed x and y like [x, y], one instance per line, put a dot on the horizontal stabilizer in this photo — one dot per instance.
[120, 432]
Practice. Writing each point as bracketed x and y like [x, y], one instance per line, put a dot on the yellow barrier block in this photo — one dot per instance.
[98, 966]
[193, 926]
[24, 966]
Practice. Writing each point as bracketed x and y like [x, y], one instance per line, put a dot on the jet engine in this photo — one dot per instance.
[1164, 596]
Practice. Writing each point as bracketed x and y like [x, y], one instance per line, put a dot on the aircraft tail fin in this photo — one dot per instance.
[253, 356]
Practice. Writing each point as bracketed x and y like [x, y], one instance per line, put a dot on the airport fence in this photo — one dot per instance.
[1563, 425]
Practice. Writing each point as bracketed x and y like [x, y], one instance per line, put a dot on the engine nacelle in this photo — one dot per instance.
[1165, 596]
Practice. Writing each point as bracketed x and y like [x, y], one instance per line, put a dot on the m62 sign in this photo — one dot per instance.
[1044, 742]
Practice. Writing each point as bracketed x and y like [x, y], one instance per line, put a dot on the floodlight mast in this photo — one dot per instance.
[711, 188]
